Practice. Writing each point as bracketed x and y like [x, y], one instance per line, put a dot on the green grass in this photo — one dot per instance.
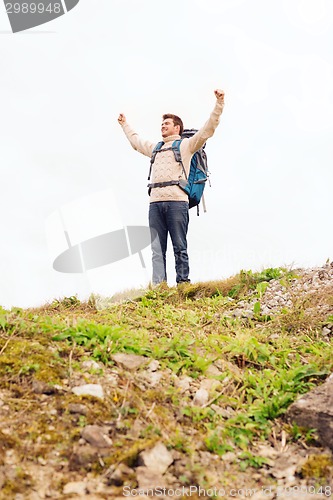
[264, 364]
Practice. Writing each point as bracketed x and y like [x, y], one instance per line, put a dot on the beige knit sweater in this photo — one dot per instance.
[165, 167]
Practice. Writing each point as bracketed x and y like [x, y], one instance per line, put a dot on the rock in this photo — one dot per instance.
[227, 366]
[112, 378]
[153, 365]
[183, 383]
[267, 452]
[200, 398]
[156, 459]
[96, 436]
[314, 410]
[89, 390]
[152, 378]
[213, 371]
[210, 384]
[224, 412]
[86, 455]
[118, 476]
[136, 429]
[149, 479]
[285, 465]
[77, 408]
[82, 456]
[229, 457]
[129, 361]
[237, 313]
[75, 488]
[287, 473]
[40, 387]
[248, 313]
[90, 364]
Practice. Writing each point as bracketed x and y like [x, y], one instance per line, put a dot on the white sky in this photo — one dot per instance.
[63, 85]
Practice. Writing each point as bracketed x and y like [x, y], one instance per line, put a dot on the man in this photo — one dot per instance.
[168, 209]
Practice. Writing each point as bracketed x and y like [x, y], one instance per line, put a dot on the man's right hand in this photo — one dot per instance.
[122, 119]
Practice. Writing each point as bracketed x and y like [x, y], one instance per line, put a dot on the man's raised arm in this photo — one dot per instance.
[142, 146]
[199, 139]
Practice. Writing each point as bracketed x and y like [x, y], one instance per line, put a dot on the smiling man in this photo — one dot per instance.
[168, 208]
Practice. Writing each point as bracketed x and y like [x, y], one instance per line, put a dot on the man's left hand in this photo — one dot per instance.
[219, 94]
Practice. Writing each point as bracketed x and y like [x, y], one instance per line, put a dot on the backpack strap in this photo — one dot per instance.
[203, 203]
[156, 150]
[178, 157]
[163, 184]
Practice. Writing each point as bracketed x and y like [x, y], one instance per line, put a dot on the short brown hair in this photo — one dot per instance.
[176, 121]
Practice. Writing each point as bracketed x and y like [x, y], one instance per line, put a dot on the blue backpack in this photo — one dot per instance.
[194, 183]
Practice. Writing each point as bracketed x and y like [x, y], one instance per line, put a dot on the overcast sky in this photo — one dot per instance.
[67, 166]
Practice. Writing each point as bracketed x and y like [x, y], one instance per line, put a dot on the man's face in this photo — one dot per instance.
[169, 128]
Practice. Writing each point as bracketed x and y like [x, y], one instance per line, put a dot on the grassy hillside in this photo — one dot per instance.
[251, 367]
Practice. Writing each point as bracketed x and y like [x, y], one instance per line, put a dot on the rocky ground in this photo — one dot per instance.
[276, 296]
[89, 409]
[156, 467]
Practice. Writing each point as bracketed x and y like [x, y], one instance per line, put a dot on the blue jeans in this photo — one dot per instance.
[169, 217]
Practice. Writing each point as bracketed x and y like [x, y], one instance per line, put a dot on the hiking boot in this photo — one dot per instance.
[163, 285]
[182, 282]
